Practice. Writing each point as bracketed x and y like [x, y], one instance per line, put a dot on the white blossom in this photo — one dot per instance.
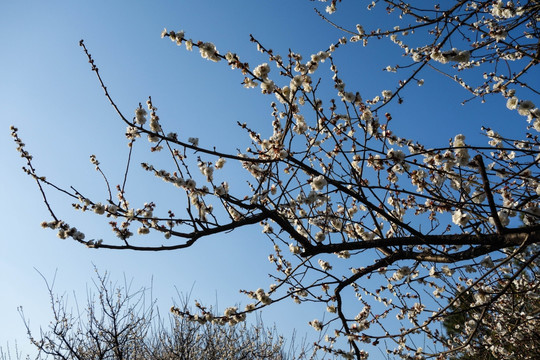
[316, 324]
[318, 183]
[460, 218]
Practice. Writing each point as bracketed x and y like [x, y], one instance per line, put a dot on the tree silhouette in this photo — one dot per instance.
[119, 323]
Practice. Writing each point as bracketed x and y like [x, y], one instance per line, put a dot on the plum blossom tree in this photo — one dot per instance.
[373, 226]
[509, 322]
[119, 323]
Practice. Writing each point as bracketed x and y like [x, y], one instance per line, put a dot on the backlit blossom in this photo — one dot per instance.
[503, 218]
[99, 209]
[319, 237]
[140, 116]
[325, 265]
[387, 94]
[460, 218]
[219, 163]
[294, 248]
[262, 71]
[525, 107]
[316, 324]
[209, 52]
[194, 141]
[318, 183]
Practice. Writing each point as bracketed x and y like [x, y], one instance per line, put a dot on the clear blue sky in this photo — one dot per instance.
[48, 91]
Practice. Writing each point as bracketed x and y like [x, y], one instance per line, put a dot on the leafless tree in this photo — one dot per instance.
[11, 354]
[118, 323]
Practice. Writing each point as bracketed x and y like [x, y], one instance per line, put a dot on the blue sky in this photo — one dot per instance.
[48, 91]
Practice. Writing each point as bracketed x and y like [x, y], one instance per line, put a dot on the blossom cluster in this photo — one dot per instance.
[331, 183]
